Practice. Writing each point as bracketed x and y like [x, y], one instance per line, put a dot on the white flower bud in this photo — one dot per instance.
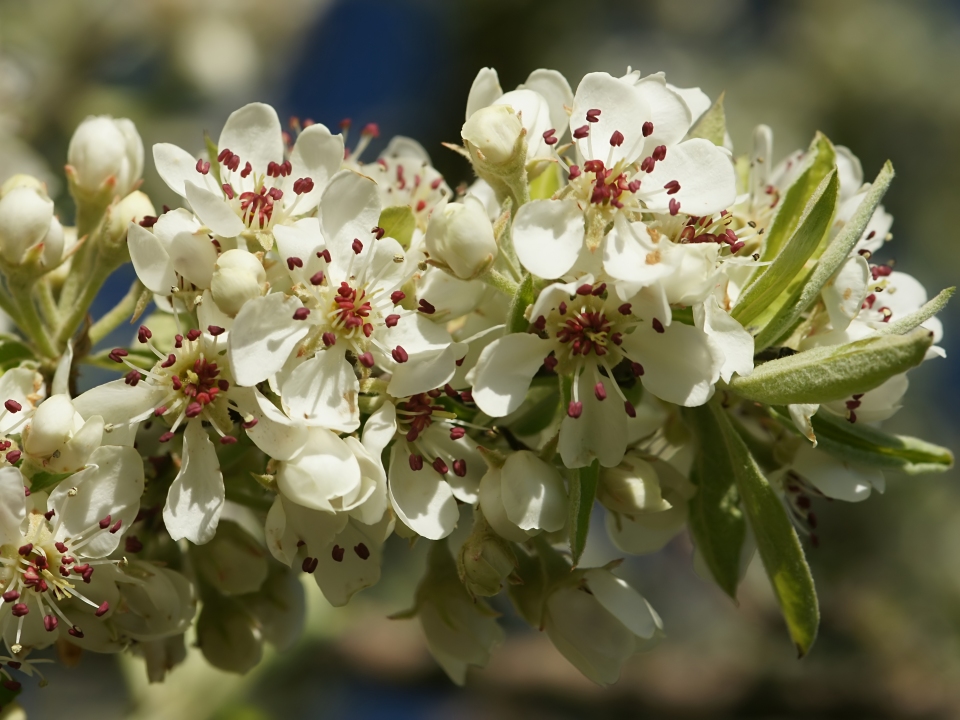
[631, 487]
[238, 276]
[25, 220]
[460, 236]
[53, 243]
[133, 208]
[229, 636]
[103, 148]
[58, 437]
[494, 135]
[233, 562]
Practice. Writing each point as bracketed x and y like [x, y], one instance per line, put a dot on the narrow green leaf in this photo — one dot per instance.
[776, 538]
[399, 223]
[715, 518]
[44, 481]
[212, 154]
[712, 125]
[13, 352]
[583, 490]
[835, 372]
[524, 297]
[914, 320]
[833, 257]
[771, 280]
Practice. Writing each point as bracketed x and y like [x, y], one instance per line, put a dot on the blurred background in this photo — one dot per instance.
[879, 76]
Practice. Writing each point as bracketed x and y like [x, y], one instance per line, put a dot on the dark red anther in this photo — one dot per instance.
[247, 424]
[633, 186]
[357, 246]
[13, 456]
[585, 289]
[75, 632]
[103, 609]
[19, 610]
[657, 325]
[399, 354]
[149, 221]
[317, 278]
[366, 359]
[166, 437]
[116, 527]
[216, 330]
[674, 206]
[203, 167]
[178, 341]
[457, 432]
[10, 596]
[466, 397]
[397, 296]
[247, 169]
[310, 564]
[426, 308]
[391, 320]
[193, 409]
[593, 115]
[575, 172]
[325, 254]
[648, 164]
[132, 544]
[117, 355]
[550, 138]
[144, 334]
[105, 522]
[416, 462]
[625, 309]
[293, 262]
[329, 339]
[50, 623]
[575, 409]
[616, 140]
[13, 406]
[301, 313]
[440, 466]
[637, 369]
[599, 290]
[562, 308]
[159, 411]
[193, 335]
[659, 153]
[550, 363]
[581, 132]
[630, 409]
[228, 440]
[132, 378]
[460, 467]
[672, 187]
[25, 549]
[600, 391]
[647, 129]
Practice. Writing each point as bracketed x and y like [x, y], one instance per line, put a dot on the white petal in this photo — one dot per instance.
[432, 355]
[110, 486]
[548, 235]
[630, 254]
[555, 89]
[193, 257]
[277, 435]
[317, 155]
[118, 403]
[622, 109]
[601, 430]
[485, 89]
[491, 503]
[623, 602]
[196, 496]
[735, 342]
[264, 335]
[844, 293]
[349, 210]
[421, 499]
[322, 474]
[323, 391]
[648, 532]
[437, 439]
[357, 568]
[706, 177]
[151, 260]
[301, 240]
[315, 528]
[800, 414]
[696, 100]
[835, 478]
[280, 535]
[680, 364]
[532, 492]
[504, 371]
[371, 503]
[175, 165]
[670, 115]
[214, 211]
[13, 505]
[253, 132]
[380, 428]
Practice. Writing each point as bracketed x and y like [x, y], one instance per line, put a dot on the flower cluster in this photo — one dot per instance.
[618, 311]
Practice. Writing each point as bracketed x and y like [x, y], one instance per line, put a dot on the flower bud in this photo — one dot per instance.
[631, 487]
[58, 437]
[229, 636]
[460, 236]
[494, 135]
[133, 208]
[104, 149]
[26, 215]
[21, 180]
[233, 562]
[238, 276]
[485, 560]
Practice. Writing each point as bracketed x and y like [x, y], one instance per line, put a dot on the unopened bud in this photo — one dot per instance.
[104, 149]
[494, 135]
[229, 636]
[460, 236]
[485, 561]
[631, 487]
[26, 218]
[238, 276]
[133, 208]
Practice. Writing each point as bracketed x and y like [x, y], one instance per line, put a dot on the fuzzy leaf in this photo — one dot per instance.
[399, 223]
[583, 490]
[716, 518]
[712, 125]
[524, 297]
[769, 283]
[835, 372]
[914, 320]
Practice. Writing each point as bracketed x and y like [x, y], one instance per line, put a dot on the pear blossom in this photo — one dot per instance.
[60, 439]
[106, 150]
[28, 226]
[523, 497]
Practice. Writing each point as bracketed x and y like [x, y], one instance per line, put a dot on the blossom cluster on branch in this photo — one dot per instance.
[619, 316]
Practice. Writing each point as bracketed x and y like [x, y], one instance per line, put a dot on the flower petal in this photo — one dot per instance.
[264, 335]
[151, 260]
[601, 430]
[630, 254]
[681, 364]
[835, 478]
[555, 89]
[491, 503]
[193, 258]
[532, 492]
[623, 602]
[844, 293]
[622, 109]
[13, 505]
[214, 211]
[705, 173]
[175, 165]
[736, 343]
[421, 499]
[484, 90]
[323, 473]
[380, 428]
[349, 210]
[323, 391]
[504, 371]
[277, 435]
[317, 155]
[358, 566]
[548, 235]
[253, 132]
[669, 113]
[196, 496]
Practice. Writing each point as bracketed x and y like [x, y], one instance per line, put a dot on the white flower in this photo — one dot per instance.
[345, 299]
[173, 255]
[597, 621]
[523, 497]
[27, 223]
[106, 150]
[59, 438]
[631, 158]
[460, 237]
[259, 189]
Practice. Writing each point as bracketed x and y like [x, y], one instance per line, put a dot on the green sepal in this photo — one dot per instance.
[524, 297]
[833, 372]
[399, 223]
[546, 183]
[583, 491]
[712, 125]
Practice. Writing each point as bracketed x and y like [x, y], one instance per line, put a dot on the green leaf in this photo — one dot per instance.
[399, 223]
[833, 257]
[821, 160]
[776, 538]
[13, 352]
[212, 154]
[44, 481]
[583, 490]
[771, 280]
[546, 183]
[865, 445]
[835, 372]
[716, 519]
[913, 320]
[712, 125]
[522, 299]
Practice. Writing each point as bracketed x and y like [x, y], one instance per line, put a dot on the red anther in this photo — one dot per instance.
[399, 354]
[317, 278]
[562, 308]
[276, 193]
[357, 246]
[674, 206]
[625, 309]
[117, 355]
[61, 548]
[391, 320]
[293, 262]
[585, 289]
[647, 129]
[25, 549]
[466, 397]
[460, 467]
[630, 409]
[193, 334]
[599, 290]
[132, 544]
[672, 187]
[224, 155]
[633, 186]
[247, 424]
[540, 323]
[459, 362]
[103, 609]
[19, 610]
[193, 409]
[440, 466]
[737, 247]
[593, 166]
[367, 329]
[575, 409]
[366, 359]
[75, 632]
[286, 168]
[166, 437]
[233, 163]
[336, 554]
[10, 596]
[851, 417]
[600, 391]
[581, 132]
[178, 341]
[303, 185]
[416, 462]
[879, 271]
[176, 382]
[550, 363]
[397, 296]
[648, 164]
[13, 406]
[616, 338]
[329, 339]
[215, 330]
[325, 254]
[593, 115]
[457, 432]
[13, 456]
[273, 170]
[731, 236]
[426, 308]
[203, 167]
[421, 204]
[144, 334]
[149, 221]
[575, 172]
[171, 359]
[371, 129]
[224, 385]
[616, 140]
[637, 369]
[657, 325]
[50, 623]
[659, 152]
[116, 527]
[549, 137]
[132, 378]
[105, 522]
[301, 313]
[247, 169]
[310, 564]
